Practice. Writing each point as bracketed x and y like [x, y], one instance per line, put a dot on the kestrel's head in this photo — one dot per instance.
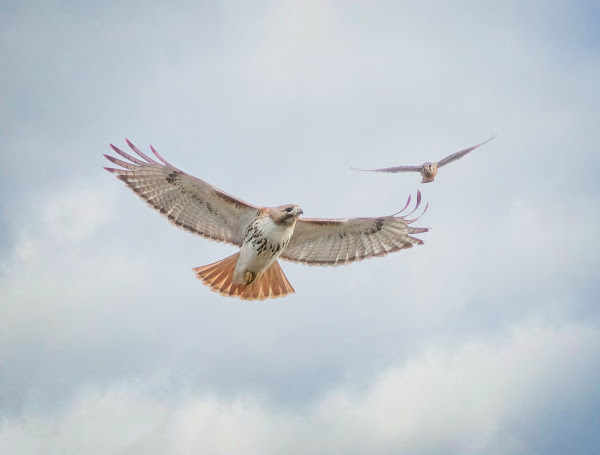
[286, 214]
[429, 170]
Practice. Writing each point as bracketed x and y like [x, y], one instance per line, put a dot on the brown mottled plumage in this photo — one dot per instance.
[263, 234]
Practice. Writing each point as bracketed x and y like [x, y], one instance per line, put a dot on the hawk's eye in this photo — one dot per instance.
[289, 209]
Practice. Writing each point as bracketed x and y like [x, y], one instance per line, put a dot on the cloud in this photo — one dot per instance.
[474, 397]
[482, 339]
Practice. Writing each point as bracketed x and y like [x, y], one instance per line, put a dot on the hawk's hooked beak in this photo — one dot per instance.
[300, 211]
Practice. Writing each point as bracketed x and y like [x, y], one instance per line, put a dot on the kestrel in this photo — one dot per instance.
[428, 170]
[263, 234]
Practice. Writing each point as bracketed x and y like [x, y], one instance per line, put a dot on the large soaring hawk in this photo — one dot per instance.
[262, 233]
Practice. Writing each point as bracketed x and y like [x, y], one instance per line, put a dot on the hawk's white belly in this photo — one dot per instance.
[263, 243]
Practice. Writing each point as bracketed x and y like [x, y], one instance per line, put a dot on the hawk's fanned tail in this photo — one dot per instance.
[219, 277]
[200, 208]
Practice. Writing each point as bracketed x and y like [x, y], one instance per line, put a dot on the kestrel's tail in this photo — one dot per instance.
[219, 276]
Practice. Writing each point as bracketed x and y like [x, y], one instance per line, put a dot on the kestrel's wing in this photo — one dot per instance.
[187, 202]
[458, 155]
[343, 241]
[392, 169]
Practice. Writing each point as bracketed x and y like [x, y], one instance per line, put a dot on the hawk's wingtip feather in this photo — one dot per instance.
[406, 205]
[160, 157]
[415, 219]
[139, 152]
[115, 148]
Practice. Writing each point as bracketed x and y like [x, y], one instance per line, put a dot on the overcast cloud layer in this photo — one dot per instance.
[484, 340]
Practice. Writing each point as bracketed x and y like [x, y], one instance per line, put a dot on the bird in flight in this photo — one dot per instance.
[263, 234]
[428, 170]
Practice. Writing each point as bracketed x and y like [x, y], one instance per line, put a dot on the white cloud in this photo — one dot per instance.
[97, 289]
[455, 399]
[57, 271]
[59, 221]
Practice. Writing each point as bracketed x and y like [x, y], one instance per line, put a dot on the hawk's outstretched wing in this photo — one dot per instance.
[343, 241]
[458, 155]
[393, 169]
[186, 201]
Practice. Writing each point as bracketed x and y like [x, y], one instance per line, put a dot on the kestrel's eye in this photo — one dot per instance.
[289, 209]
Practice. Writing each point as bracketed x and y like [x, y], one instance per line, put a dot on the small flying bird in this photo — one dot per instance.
[263, 234]
[428, 170]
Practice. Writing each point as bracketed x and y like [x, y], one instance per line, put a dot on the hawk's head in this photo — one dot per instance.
[285, 214]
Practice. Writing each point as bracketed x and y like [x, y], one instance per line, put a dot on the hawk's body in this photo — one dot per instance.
[428, 170]
[263, 234]
[265, 238]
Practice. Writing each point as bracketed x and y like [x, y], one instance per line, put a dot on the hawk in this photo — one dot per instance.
[263, 234]
[428, 170]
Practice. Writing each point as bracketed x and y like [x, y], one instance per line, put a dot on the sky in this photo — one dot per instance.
[486, 339]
